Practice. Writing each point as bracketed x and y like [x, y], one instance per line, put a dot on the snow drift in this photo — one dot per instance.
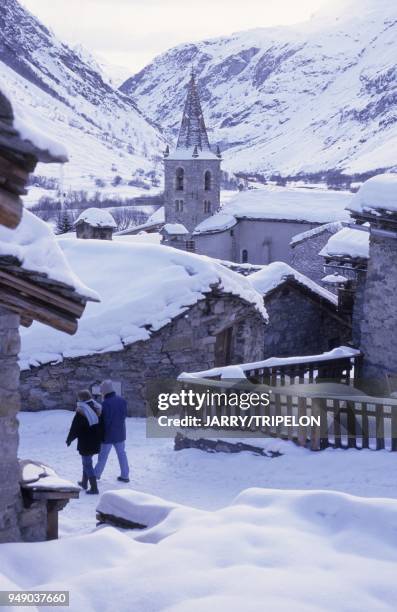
[294, 550]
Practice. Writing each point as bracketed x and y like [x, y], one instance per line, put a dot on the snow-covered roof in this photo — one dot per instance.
[316, 231]
[142, 288]
[18, 134]
[96, 217]
[348, 242]
[176, 229]
[378, 193]
[275, 274]
[35, 248]
[282, 204]
[334, 279]
[216, 223]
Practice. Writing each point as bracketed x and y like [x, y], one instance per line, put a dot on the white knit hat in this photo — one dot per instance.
[107, 387]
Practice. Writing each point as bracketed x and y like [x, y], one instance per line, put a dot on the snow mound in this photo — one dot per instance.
[294, 550]
[274, 274]
[97, 217]
[142, 288]
[349, 242]
[378, 193]
[159, 516]
[33, 244]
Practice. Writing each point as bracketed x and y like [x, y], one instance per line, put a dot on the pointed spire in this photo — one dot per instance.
[167, 151]
[218, 152]
[195, 151]
[193, 132]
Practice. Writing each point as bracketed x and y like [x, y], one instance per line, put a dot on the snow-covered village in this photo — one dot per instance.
[198, 280]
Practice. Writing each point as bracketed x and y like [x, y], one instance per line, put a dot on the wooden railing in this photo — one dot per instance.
[348, 417]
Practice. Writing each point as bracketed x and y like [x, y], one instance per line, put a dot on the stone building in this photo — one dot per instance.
[192, 174]
[95, 223]
[345, 256]
[33, 286]
[376, 204]
[162, 311]
[303, 316]
[306, 246]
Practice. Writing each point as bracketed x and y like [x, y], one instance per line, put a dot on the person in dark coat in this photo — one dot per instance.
[87, 428]
[114, 414]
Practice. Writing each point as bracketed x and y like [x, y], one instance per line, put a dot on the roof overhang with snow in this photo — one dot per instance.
[35, 279]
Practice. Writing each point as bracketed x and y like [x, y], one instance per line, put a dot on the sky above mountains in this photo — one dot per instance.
[129, 33]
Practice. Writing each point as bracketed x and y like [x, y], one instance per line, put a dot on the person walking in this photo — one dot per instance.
[114, 414]
[87, 428]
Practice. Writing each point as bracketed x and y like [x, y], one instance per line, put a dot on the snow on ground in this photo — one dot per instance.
[305, 547]
[139, 285]
[192, 477]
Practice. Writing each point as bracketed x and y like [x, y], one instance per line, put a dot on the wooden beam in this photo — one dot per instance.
[29, 289]
[10, 209]
[36, 310]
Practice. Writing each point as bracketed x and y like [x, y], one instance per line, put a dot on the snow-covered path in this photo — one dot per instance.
[195, 478]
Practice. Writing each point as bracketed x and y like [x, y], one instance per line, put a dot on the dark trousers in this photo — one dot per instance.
[88, 467]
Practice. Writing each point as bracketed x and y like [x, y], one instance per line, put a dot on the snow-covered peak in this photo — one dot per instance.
[305, 99]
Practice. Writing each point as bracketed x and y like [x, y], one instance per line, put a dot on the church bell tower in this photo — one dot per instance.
[192, 176]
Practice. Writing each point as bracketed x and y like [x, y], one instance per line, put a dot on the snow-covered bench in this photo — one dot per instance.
[44, 494]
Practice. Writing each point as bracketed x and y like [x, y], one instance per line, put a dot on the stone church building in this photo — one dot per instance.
[256, 226]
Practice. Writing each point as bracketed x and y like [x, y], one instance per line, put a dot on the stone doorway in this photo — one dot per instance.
[223, 347]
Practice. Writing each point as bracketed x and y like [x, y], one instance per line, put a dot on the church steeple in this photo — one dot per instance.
[193, 132]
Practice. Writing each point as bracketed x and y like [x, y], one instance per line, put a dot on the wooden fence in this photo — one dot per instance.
[348, 418]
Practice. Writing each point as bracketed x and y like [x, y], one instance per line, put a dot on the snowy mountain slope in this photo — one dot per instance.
[320, 95]
[64, 93]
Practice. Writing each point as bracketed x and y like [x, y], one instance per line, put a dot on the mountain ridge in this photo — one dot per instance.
[319, 96]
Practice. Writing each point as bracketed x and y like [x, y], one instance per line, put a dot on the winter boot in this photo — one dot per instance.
[94, 489]
[83, 483]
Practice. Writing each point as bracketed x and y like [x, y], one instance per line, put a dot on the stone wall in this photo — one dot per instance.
[10, 498]
[358, 306]
[186, 344]
[299, 325]
[193, 194]
[379, 320]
